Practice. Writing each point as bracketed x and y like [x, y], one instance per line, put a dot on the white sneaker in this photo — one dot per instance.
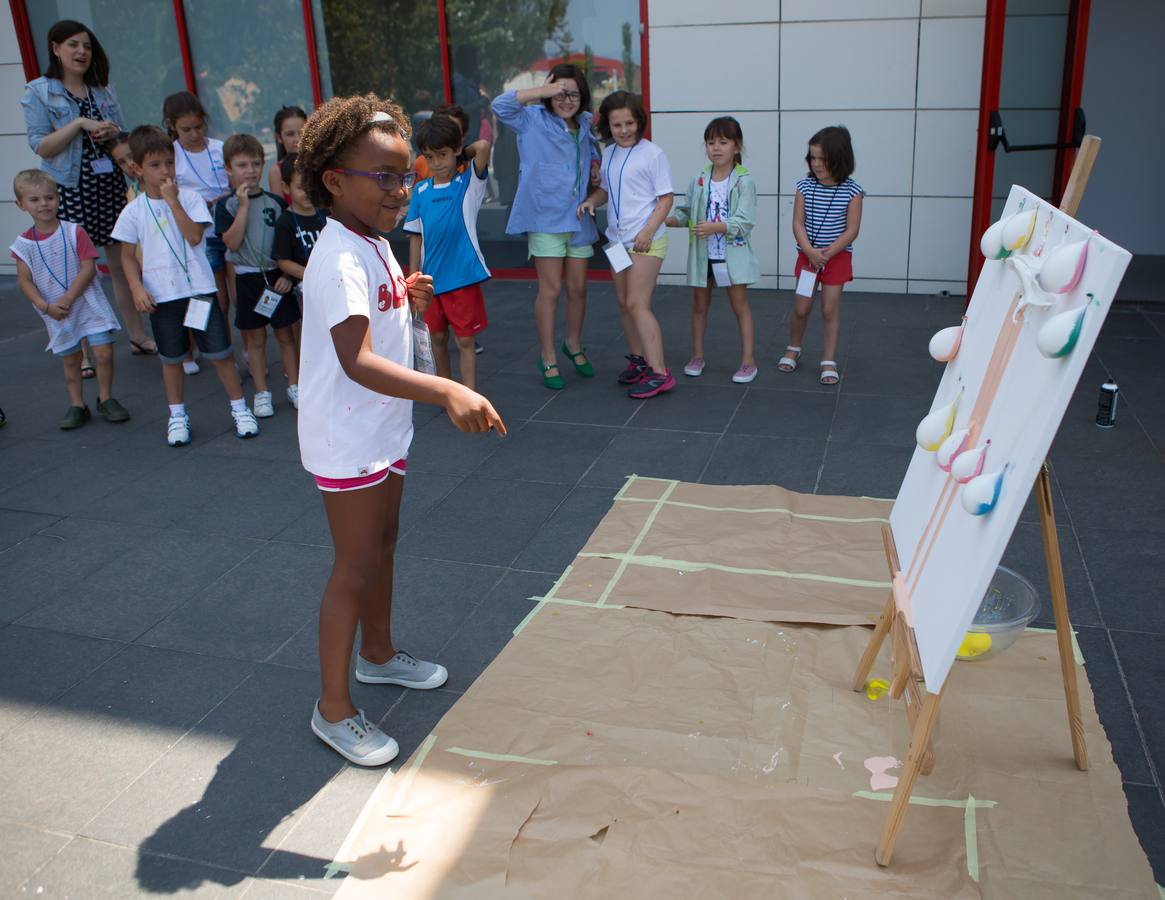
[404, 669]
[178, 431]
[356, 739]
[264, 408]
[293, 395]
[245, 424]
[190, 367]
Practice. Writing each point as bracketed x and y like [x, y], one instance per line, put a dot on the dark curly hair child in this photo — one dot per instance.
[357, 384]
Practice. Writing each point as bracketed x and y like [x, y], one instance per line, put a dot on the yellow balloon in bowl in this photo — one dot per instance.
[974, 644]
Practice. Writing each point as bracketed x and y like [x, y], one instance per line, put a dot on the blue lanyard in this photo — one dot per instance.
[708, 210]
[64, 253]
[616, 201]
[182, 263]
[217, 186]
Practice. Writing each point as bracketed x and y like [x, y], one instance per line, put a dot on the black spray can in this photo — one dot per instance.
[1106, 411]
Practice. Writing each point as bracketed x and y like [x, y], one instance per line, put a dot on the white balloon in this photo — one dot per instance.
[950, 449]
[944, 346]
[935, 428]
[980, 494]
[1017, 230]
[1063, 267]
[969, 463]
[1057, 337]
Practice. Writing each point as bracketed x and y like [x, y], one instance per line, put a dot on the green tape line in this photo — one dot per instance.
[530, 615]
[501, 757]
[659, 562]
[624, 557]
[542, 601]
[764, 509]
[1077, 653]
[972, 835]
[926, 801]
[567, 602]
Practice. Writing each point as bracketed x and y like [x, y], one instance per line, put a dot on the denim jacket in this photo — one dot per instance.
[554, 170]
[47, 107]
[692, 209]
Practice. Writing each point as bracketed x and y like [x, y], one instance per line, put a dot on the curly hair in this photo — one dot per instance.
[331, 131]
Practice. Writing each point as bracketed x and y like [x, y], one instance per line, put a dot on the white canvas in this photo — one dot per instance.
[949, 559]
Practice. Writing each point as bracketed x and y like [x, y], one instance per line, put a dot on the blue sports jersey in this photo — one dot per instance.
[445, 216]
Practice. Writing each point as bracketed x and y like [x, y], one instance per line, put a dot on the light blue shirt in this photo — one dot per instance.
[48, 107]
[554, 170]
[445, 216]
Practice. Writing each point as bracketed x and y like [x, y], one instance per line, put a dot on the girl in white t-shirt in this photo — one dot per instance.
[356, 388]
[636, 179]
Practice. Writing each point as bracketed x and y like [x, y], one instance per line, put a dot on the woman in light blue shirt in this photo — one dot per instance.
[69, 114]
[556, 151]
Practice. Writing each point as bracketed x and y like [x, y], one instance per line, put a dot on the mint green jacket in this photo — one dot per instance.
[692, 209]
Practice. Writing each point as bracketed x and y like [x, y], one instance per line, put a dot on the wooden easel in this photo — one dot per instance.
[907, 680]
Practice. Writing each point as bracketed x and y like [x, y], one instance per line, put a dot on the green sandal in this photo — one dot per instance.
[586, 370]
[554, 382]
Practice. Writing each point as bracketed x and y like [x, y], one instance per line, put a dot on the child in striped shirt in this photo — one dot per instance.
[827, 214]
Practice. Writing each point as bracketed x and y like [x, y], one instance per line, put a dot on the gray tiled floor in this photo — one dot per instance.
[158, 608]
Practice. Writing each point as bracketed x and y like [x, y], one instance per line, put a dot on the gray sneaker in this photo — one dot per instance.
[356, 739]
[403, 669]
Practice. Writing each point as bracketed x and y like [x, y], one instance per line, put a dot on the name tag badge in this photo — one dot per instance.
[618, 255]
[720, 274]
[268, 303]
[103, 165]
[197, 314]
[423, 348]
[806, 282]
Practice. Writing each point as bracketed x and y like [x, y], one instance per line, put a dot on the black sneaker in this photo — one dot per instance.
[636, 366]
[652, 383]
[112, 410]
[75, 417]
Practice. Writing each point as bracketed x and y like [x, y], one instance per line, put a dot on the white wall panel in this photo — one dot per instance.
[14, 156]
[883, 146]
[692, 12]
[953, 7]
[833, 10]
[681, 77]
[950, 63]
[940, 234]
[681, 135]
[865, 65]
[944, 152]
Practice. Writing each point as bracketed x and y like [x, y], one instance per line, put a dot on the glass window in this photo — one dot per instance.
[248, 62]
[601, 37]
[140, 39]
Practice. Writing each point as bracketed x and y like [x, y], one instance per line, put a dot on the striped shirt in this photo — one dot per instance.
[826, 207]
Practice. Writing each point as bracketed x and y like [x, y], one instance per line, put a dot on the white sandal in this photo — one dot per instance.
[788, 362]
[829, 374]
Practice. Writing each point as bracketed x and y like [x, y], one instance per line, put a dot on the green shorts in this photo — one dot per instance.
[657, 249]
[542, 243]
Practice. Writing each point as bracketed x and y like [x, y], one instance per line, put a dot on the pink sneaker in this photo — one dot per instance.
[695, 367]
[744, 374]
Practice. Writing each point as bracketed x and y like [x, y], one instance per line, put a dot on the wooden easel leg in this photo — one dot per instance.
[875, 645]
[919, 742]
[1060, 611]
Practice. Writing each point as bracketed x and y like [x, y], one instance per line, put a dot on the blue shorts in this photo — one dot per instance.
[216, 252]
[171, 335]
[95, 340]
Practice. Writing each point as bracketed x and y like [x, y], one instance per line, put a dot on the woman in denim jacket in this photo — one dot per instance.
[69, 113]
[556, 151]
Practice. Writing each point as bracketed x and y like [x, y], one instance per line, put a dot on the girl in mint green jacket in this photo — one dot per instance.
[719, 211]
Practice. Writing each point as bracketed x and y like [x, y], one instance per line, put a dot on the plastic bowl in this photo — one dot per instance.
[1010, 604]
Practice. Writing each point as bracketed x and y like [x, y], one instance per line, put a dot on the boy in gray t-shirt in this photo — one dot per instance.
[245, 220]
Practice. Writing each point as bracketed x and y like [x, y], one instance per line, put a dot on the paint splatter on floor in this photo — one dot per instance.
[880, 779]
[837, 759]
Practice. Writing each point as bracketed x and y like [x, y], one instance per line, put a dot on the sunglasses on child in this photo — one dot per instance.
[386, 181]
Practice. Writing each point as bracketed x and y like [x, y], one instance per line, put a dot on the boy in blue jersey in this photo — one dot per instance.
[442, 221]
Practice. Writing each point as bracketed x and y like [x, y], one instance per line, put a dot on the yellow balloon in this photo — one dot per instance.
[974, 644]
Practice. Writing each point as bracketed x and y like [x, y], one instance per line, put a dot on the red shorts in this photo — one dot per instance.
[463, 309]
[339, 485]
[838, 270]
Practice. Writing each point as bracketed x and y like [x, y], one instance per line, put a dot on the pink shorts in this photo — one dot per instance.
[337, 485]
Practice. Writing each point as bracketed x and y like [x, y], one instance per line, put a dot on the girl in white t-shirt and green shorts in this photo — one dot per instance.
[357, 387]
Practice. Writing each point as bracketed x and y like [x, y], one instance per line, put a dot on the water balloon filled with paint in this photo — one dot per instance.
[991, 244]
[1063, 267]
[1057, 337]
[944, 346]
[981, 493]
[936, 427]
[950, 449]
[969, 463]
[1008, 235]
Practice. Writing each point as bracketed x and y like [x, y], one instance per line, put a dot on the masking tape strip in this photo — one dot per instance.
[972, 835]
[926, 801]
[567, 602]
[343, 861]
[501, 757]
[762, 509]
[624, 558]
[542, 601]
[627, 482]
[1077, 653]
[659, 562]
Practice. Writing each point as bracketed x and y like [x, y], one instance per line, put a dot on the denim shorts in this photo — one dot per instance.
[95, 340]
[170, 334]
[216, 252]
